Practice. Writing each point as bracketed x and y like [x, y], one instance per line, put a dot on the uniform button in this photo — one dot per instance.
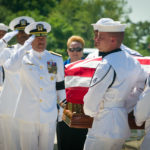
[41, 67]
[41, 78]
[40, 57]
[41, 100]
[52, 78]
[41, 89]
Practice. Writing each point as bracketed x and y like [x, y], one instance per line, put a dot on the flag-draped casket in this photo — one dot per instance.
[77, 80]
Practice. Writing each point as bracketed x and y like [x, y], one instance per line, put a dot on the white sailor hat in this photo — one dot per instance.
[3, 27]
[109, 25]
[38, 28]
[101, 21]
[20, 23]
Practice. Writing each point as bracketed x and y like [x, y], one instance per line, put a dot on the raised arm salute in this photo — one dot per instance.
[42, 78]
[11, 86]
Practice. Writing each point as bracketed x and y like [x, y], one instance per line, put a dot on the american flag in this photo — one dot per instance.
[78, 77]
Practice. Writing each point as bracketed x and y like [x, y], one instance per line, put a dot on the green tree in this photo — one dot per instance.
[141, 33]
[74, 17]
[44, 6]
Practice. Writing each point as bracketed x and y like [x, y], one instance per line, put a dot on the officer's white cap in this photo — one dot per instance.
[20, 23]
[109, 25]
[38, 28]
[3, 27]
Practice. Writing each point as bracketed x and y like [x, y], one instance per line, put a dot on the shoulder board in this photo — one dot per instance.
[55, 53]
[10, 46]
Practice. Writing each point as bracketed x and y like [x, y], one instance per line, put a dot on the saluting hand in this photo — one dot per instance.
[8, 36]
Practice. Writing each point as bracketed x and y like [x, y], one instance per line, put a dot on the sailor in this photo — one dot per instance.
[42, 84]
[142, 113]
[3, 30]
[133, 53]
[115, 78]
[11, 86]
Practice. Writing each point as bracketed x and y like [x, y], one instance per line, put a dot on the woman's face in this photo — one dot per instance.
[75, 51]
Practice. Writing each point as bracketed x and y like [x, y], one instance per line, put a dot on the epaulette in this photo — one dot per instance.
[10, 46]
[55, 53]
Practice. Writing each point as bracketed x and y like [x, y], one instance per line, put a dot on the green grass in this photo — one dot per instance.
[134, 142]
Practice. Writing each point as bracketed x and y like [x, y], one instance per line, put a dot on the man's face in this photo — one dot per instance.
[95, 36]
[75, 51]
[39, 43]
[2, 33]
[22, 37]
[103, 41]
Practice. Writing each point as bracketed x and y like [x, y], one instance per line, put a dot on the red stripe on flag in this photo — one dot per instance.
[80, 71]
[76, 94]
[85, 60]
[72, 64]
[144, 61]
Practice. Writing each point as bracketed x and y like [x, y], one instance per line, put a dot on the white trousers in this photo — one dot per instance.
[2, 143]
[9, 139]
[93, 143]
[36, 136]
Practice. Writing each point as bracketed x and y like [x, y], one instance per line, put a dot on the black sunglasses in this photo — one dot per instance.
[77, 49]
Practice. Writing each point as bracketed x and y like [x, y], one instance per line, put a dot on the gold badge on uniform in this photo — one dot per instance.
[52, 78]
[52, 67]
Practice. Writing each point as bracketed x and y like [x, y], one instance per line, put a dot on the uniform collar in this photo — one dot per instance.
[38, 54]
[103, 54]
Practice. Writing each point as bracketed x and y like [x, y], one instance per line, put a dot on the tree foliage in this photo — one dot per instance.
[74, 17]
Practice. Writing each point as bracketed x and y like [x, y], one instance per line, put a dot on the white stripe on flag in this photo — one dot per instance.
[90, 64]
[146, 68]
[77, 81]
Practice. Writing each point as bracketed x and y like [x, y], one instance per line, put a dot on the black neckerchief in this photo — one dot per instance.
[103, 54]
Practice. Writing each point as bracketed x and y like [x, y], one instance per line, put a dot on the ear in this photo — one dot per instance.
[113, 40]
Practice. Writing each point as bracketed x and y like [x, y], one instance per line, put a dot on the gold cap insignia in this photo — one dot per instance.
[40, 27]
[23, 22]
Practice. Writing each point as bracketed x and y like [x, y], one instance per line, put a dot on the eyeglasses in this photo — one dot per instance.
[77, 49]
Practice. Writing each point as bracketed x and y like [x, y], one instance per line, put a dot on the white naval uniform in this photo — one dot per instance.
[133, 97]
[8, 101]
[2, 46]
[106, 101]
[142, 113]
[36, 107]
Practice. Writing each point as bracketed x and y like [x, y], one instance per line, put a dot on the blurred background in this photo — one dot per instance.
[74, 17]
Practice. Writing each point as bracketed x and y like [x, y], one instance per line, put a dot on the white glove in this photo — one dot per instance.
[29, 41]
[8, 36]
[22, 50]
